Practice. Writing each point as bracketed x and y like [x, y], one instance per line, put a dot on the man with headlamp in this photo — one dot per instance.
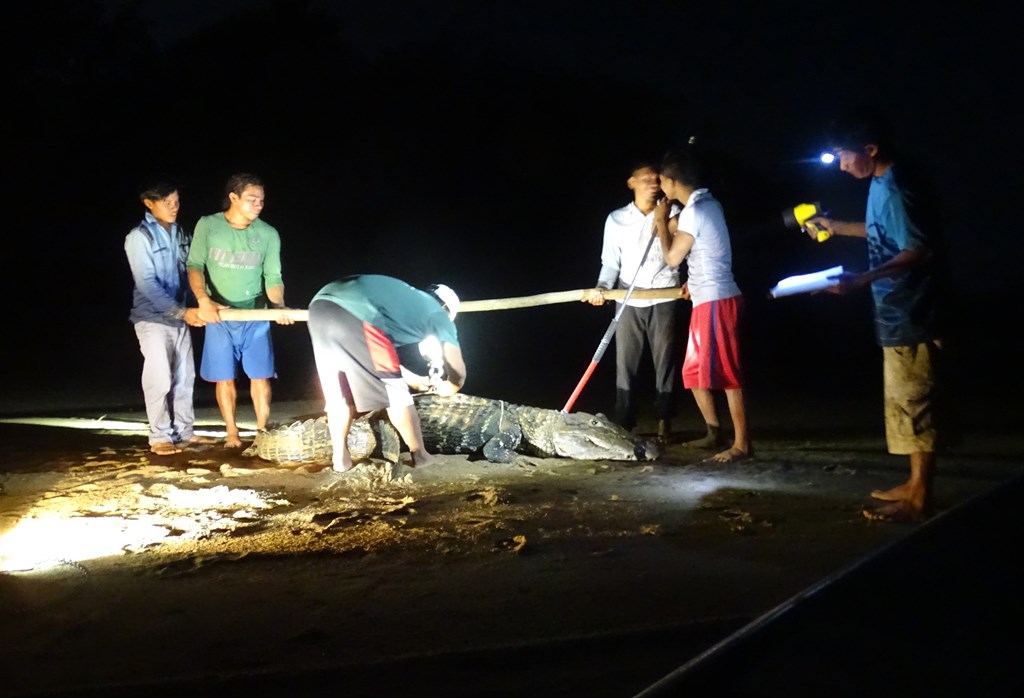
[365, 331]
[903, 278]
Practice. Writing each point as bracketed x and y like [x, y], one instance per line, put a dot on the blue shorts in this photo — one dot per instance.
[228, 344]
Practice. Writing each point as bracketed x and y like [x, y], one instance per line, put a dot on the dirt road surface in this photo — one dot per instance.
[218, 574]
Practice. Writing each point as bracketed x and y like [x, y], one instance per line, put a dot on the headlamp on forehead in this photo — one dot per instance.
[827, 157]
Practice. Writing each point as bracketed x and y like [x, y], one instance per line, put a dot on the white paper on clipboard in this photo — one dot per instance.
[806, 283]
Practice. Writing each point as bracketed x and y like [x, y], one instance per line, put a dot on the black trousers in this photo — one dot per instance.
[653, 328]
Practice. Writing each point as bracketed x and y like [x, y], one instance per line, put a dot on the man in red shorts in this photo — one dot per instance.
[699, 235]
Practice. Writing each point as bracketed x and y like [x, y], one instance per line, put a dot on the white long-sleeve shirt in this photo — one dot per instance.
[627, 232]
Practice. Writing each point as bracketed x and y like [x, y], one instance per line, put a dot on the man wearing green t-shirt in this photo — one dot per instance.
[235, 262]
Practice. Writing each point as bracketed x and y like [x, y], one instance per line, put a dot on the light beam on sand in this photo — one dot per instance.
[109, 426]
[52, 540]
[696, 485]
[49, 539]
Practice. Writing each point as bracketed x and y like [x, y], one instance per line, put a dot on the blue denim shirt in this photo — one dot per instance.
[157, 262]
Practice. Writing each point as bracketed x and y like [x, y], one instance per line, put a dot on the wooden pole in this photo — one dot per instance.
[300, 315]
[563, 297]
[236, 314]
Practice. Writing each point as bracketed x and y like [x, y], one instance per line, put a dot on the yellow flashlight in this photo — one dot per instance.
[798, 216]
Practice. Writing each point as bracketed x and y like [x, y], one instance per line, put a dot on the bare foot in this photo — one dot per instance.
[232, 441]
[732, 455]
[164, 448]
[422, 458]
[896, 494]
[899, 512]
[199, 440]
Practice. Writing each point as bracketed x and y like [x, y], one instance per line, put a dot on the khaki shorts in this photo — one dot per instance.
[909, 386]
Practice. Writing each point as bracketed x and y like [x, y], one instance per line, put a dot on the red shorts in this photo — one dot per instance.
[712, 360]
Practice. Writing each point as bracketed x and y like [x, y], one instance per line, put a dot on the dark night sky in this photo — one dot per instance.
[480, 144]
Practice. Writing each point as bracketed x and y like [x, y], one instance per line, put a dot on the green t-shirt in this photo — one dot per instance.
[236, 263]
[404, 313]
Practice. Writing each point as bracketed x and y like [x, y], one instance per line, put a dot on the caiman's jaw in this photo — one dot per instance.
[599, 439]
[589, 447]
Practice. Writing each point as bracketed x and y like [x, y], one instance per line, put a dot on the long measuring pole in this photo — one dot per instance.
[302, 315]
[609, 333]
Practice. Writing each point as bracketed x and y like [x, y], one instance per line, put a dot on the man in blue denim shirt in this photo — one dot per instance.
[157, 249]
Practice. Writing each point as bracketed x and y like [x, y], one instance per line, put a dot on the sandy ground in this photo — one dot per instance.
[212, 573]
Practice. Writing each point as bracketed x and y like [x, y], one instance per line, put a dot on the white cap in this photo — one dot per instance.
[448, 299]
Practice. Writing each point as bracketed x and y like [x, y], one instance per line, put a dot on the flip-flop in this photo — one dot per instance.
[164, 448]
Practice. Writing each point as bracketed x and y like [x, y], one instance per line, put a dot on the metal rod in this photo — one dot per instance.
[607, 338]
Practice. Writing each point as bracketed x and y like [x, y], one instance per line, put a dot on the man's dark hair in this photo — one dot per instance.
[683, 165]
[857, 128]
[237, 183]
[157, 190]
[635, 166]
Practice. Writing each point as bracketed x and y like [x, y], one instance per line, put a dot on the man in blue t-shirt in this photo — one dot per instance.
[902, 277]
[359, 326]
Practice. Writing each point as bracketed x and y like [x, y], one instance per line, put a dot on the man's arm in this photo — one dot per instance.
[905, 260]
[272, 278]
[454, 370]
[675, 253]
[196, 267]
[454, 366]
[275, 295]
[675, 243]
[611, 262]
[209, 311]
[139, 250]
[853, 229]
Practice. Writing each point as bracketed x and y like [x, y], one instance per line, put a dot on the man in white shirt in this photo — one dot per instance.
[628, 235]
[713, 358]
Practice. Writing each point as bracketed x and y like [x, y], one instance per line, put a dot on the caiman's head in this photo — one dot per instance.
[586, 436]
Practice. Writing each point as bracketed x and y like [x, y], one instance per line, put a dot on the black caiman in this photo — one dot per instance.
[482, 428]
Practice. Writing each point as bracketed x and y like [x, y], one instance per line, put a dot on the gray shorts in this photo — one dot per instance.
[354, 360]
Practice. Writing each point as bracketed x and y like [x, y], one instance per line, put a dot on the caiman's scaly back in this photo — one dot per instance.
[465, 424]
